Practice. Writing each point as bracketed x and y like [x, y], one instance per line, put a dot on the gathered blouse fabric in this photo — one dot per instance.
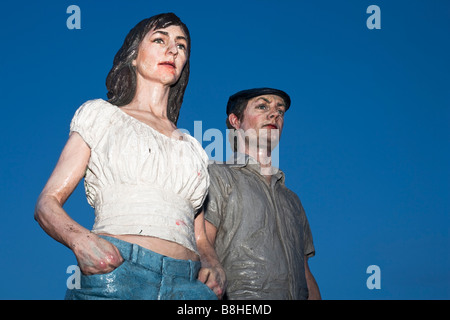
[138, 180]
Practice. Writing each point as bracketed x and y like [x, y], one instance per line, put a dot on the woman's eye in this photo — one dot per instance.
[181, 46]
[158, 40]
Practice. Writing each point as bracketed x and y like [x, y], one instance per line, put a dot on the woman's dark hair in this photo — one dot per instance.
[121, 79]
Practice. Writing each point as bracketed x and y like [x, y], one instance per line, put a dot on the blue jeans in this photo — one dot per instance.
[144, 275]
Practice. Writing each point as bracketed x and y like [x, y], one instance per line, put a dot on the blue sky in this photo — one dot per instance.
[365, 143]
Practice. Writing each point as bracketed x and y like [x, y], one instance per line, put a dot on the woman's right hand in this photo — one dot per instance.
[96, 255]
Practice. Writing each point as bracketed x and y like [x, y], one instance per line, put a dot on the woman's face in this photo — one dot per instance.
[162, 55]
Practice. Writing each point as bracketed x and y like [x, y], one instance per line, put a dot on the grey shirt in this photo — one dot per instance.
[263, 234]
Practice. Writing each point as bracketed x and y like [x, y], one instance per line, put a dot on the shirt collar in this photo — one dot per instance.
[240, 160]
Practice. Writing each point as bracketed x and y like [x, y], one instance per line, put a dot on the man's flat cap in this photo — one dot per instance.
[246, 95]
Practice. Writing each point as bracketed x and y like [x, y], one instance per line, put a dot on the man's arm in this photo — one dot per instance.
[211, 273]
[313, 288]
[211, 232]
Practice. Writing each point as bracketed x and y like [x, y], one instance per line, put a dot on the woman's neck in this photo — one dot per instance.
[151, 97]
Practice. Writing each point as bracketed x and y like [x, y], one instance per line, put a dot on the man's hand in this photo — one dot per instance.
[212, 274]
[214, 278]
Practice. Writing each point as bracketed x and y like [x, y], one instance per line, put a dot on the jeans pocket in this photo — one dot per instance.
[101, 278]
[100, 286]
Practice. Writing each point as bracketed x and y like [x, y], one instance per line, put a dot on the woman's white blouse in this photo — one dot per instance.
[138, 180]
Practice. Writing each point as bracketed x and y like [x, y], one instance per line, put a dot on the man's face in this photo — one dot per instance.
[263, 120]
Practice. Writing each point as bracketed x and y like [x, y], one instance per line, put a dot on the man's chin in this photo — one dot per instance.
[263, 144]
[270, 138]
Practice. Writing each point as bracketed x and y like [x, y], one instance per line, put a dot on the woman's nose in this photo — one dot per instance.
[172, 49]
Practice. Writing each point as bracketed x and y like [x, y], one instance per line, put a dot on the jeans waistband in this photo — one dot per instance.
[154, 261]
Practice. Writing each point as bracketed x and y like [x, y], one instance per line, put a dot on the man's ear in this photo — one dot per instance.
[234, 121]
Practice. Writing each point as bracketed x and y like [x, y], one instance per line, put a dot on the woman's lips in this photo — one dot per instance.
[168, 63]
[270, 126]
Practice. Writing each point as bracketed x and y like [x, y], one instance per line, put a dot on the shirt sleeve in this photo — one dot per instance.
[308, 248]
[214, 205]
[310, 251]
[87, 122]
[201, 191]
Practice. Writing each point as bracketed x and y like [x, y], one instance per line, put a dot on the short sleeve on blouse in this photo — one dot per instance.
[88, 120]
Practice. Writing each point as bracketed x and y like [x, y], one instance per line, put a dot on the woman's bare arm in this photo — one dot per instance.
[94, 254]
